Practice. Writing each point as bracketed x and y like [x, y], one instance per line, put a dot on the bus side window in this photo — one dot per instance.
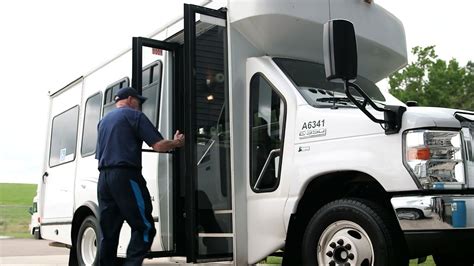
[151, 80]
[91, 119]
[64, 137]
[109, 103]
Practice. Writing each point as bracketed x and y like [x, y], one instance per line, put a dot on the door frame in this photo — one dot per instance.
[137, 60]
[190, 12]
[184, 160]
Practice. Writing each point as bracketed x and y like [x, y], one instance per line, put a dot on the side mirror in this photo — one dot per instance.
[340, 63]
[340, 51]
[30, 210]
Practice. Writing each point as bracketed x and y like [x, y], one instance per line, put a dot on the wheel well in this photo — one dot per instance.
[324, 189]
[79, 216]
[327, 188]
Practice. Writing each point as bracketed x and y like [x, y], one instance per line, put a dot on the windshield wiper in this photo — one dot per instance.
[339, 100]
[342, 100]
[333, 99]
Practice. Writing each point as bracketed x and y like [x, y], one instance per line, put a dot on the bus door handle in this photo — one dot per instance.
[273, 153]
[44, 175]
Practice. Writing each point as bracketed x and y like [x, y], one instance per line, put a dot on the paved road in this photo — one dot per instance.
[31, 252]
[40, 253]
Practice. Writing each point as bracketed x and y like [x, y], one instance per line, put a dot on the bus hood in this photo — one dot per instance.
[425, 117]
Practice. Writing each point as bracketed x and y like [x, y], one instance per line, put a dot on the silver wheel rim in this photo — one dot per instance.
[89, 246]
[345, 243]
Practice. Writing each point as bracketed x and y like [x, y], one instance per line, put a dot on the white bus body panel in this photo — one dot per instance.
[266, 228]
[239, 50]
[351, 142]
[58, 187]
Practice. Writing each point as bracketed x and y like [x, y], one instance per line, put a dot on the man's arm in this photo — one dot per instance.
[165, 145]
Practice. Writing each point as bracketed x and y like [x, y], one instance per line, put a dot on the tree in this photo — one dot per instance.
[434, 82]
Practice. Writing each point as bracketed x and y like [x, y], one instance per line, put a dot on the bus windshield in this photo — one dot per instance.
[310, 80]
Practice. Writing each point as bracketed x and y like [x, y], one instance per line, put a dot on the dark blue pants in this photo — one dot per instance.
[123, 195]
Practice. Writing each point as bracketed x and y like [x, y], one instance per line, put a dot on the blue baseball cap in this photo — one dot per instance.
[124, 93]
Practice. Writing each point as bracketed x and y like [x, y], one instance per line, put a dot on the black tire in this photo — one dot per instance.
[368, 233]
[87, 249]
[36, 233]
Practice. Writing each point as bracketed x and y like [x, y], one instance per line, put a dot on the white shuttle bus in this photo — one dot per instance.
[278, 160]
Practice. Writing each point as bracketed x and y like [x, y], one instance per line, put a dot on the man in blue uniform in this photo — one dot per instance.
[122, 191]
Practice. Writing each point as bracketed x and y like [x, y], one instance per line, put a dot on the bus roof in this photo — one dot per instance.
[294, 29]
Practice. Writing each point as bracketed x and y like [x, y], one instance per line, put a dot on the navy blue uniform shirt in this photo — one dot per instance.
[120, 138]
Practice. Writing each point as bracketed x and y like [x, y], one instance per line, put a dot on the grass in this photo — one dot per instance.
[429, 262]
[17, 194]
[15, 200]
[277, 261]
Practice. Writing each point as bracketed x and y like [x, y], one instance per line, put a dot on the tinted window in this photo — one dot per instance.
[109, 103]
[310, 80]
[146, 74]
[108, 96]
[115, 89]
[267, 117]
[156, 76]
[63, 137]
[151, 90]
[91, 119]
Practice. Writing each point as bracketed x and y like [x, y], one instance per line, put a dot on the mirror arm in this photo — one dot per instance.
[392, 121]
[361, 92]
[362, 106]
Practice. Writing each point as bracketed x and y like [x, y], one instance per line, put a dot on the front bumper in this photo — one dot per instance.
[436, 223]
[434, 212]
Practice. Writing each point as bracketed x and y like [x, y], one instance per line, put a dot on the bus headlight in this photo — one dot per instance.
[434, 157]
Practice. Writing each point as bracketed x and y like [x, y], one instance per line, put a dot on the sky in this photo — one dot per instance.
[47, 44]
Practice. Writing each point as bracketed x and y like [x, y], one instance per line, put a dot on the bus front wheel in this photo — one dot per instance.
[352, 232]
